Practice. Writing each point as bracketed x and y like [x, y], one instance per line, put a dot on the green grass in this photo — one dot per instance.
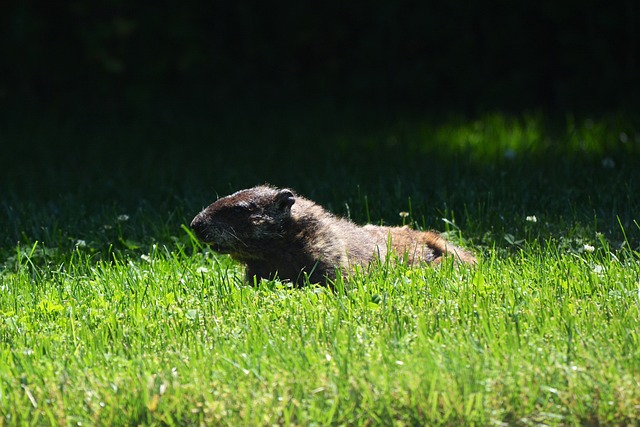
[111, 314]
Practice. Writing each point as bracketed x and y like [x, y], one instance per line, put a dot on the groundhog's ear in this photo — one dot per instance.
[285, 199]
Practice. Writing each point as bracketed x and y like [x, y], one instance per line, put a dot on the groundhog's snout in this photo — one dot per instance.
[199, 226]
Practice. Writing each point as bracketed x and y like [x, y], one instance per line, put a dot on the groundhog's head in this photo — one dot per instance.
[246, 223]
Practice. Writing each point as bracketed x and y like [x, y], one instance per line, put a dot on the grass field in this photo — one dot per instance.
[112, 314]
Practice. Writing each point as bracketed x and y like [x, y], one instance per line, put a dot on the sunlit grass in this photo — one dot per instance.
[545, 337]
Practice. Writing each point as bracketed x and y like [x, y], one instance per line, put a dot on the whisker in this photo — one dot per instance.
[232, 233]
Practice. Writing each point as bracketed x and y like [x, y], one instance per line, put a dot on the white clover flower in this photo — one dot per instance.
[146, 258]
[532, 218]
[81, 243]
[624, 138]
[608, 163]
[510, 154]
[588, 248]
[123, 217]
[403, 214]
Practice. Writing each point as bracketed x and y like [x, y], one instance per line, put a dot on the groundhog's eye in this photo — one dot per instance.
[256, 219]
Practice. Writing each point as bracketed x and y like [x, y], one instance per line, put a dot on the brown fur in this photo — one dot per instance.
[279, 234]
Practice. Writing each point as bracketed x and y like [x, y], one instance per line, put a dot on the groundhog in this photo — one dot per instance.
[279, 234]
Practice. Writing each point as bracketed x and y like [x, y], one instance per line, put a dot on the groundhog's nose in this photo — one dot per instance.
[198, 225]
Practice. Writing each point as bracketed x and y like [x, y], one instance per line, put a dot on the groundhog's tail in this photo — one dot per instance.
[446, 249]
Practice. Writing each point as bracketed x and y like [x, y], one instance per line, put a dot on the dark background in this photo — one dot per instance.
[432, 55]
[153, 109]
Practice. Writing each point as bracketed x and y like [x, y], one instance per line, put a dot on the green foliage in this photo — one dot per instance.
[544, 337]
[112, 314]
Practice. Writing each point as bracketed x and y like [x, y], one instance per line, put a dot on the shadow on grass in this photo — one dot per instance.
[68, 180]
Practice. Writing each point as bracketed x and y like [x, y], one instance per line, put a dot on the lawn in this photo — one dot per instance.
[112, 314]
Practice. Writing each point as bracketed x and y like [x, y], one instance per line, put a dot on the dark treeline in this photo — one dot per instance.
[469, 55]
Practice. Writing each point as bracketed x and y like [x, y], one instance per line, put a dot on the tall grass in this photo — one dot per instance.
[112, 314]
[544, 337]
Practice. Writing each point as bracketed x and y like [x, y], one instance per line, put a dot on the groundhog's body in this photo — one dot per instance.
[278, 234]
